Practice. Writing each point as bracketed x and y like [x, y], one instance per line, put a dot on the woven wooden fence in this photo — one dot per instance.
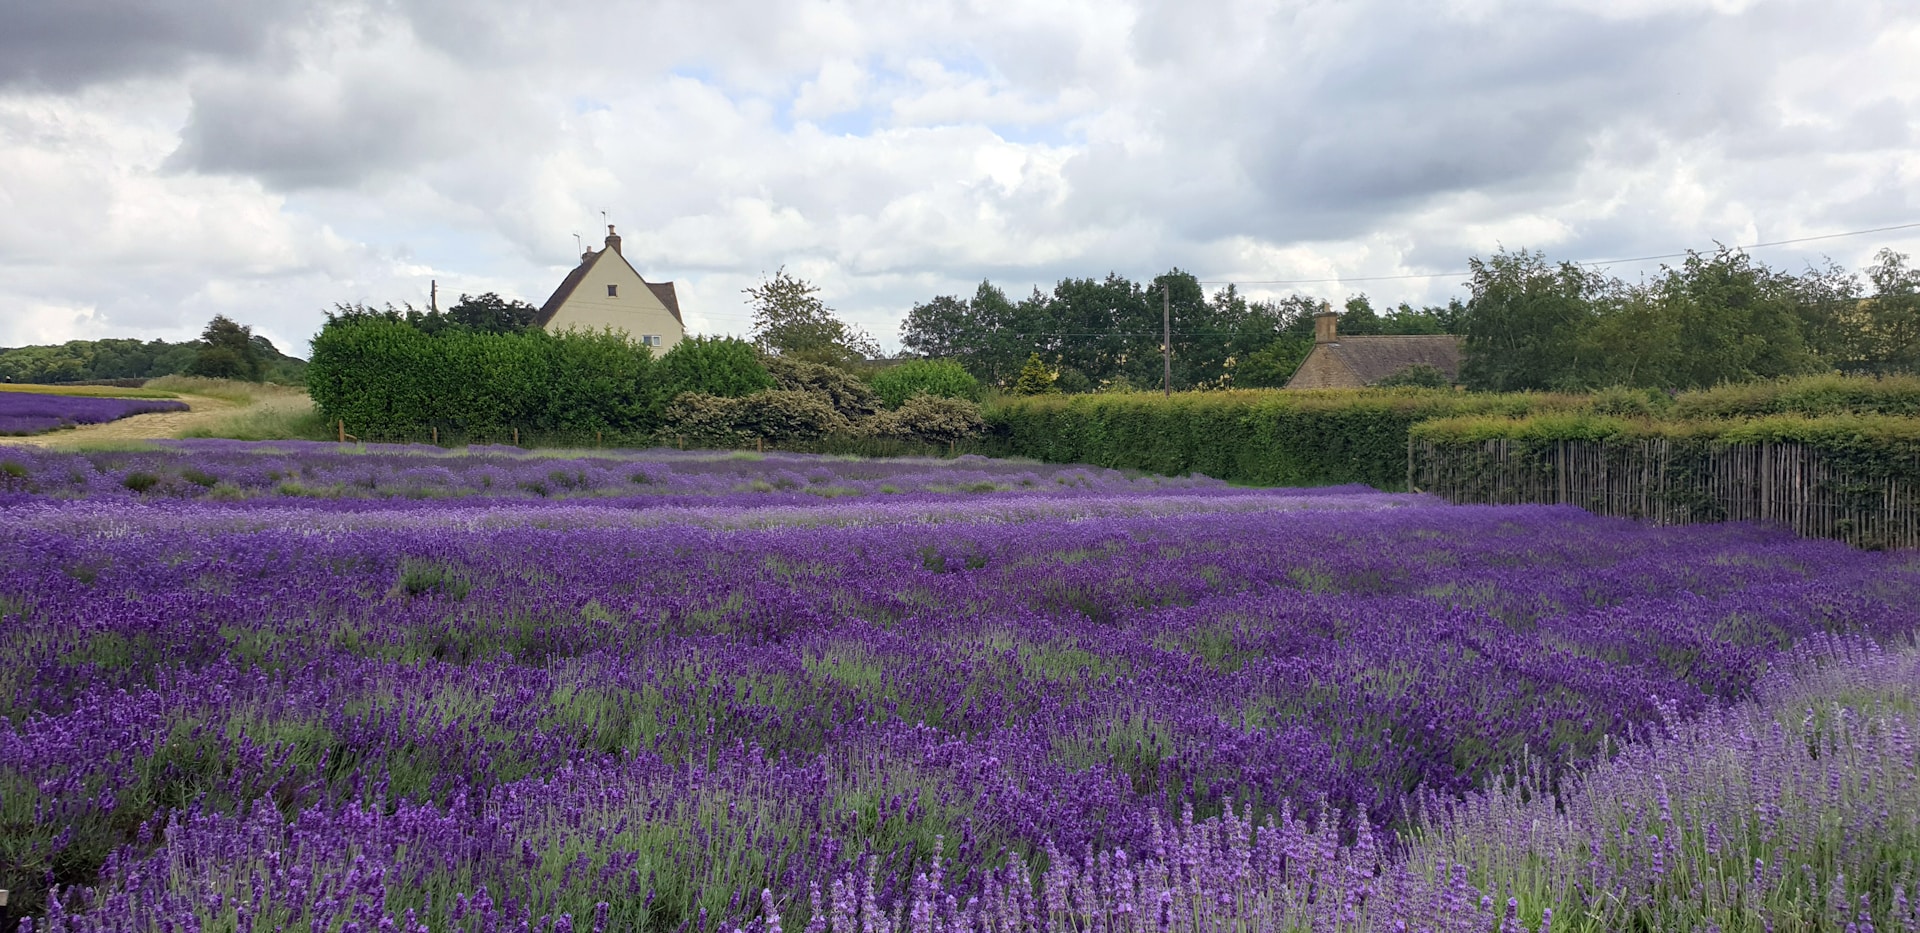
[1669, 482]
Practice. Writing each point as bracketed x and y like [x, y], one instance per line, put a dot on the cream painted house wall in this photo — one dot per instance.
[632, 308]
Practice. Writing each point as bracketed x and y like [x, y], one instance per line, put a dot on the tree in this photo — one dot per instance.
[1733, 320]
[1890, 331]
[1273, 365]
[228, 352]
[1524, 321]
[944, 327]
[790, 319]
[492, 314]
[1359, 319]
[1035, 377]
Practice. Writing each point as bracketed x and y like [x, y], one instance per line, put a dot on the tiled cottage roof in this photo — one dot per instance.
[1353, 362]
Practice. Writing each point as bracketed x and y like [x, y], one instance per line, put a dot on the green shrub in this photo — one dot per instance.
[1806, 395]
[772, 415]
[385, 377]
[942, 378]
[1631, 403]
[724, 366]
[1268, 437]
[842, 390]
[1883, 446]
[140, 481]
[700, 416]
[929, 419]
[787, 415]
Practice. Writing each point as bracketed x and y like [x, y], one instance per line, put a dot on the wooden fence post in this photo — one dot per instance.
[341, 425]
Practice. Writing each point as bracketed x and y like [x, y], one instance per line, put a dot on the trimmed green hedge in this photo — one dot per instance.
[386, 378]
[1267, 437]
[1807, 395]
[1867, 445]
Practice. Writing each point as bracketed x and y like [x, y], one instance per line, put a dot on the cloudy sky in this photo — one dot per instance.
[165, 160]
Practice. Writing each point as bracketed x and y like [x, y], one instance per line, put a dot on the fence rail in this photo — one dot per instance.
[1672, 483]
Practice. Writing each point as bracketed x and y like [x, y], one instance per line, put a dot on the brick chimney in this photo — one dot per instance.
[613, 239]
[1324, 324]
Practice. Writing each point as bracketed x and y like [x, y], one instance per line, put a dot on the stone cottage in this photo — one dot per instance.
[1357, 362]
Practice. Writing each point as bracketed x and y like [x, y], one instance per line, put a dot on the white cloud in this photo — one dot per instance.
[352, 151]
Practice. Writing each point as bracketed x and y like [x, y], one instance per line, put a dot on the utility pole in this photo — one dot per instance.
[1166, 338]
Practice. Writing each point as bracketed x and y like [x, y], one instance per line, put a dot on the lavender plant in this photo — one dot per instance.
[23, 413]
[1115, 703]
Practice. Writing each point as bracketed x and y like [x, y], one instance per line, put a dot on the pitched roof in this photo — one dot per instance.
[1371, 359]
[664, 292]
[565, 291]
[661, 290]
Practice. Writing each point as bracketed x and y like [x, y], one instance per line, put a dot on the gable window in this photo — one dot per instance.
[613, 291]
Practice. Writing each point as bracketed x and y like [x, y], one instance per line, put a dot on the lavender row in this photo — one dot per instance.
[670, 718]
[1802, 812]
[431, 477]
[37, 413]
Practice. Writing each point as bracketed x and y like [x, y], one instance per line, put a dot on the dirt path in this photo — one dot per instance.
[201, 411]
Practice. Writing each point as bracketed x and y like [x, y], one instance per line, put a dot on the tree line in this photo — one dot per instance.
[1715, 318]
[1526, 324]
[226, 350]
[1106, 334]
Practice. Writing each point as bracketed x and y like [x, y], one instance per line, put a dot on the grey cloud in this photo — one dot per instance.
[310, 130]
[1401, 105]
[62, 45]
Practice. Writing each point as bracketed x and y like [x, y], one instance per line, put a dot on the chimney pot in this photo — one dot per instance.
[613, 239]
[1325, 324]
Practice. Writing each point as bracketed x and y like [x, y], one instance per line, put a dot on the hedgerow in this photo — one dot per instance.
[1263, 437]
[386, 378]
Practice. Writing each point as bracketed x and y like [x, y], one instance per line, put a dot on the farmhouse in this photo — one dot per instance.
[1356, 362]
[604, 291]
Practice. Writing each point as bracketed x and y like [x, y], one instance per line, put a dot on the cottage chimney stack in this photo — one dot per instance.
[1324, 327]
[613, 239]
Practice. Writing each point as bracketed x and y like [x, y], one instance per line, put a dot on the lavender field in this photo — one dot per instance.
[24, 413]
[287, 686]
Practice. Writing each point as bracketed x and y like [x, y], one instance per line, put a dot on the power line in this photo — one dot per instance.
[1589, 262]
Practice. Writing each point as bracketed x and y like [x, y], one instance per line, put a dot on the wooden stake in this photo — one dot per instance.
[516, 437]
[759, 445]
[436, 435]
[342, 426]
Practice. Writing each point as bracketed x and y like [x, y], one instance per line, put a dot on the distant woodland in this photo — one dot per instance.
[1528, 323]
[226, 350]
